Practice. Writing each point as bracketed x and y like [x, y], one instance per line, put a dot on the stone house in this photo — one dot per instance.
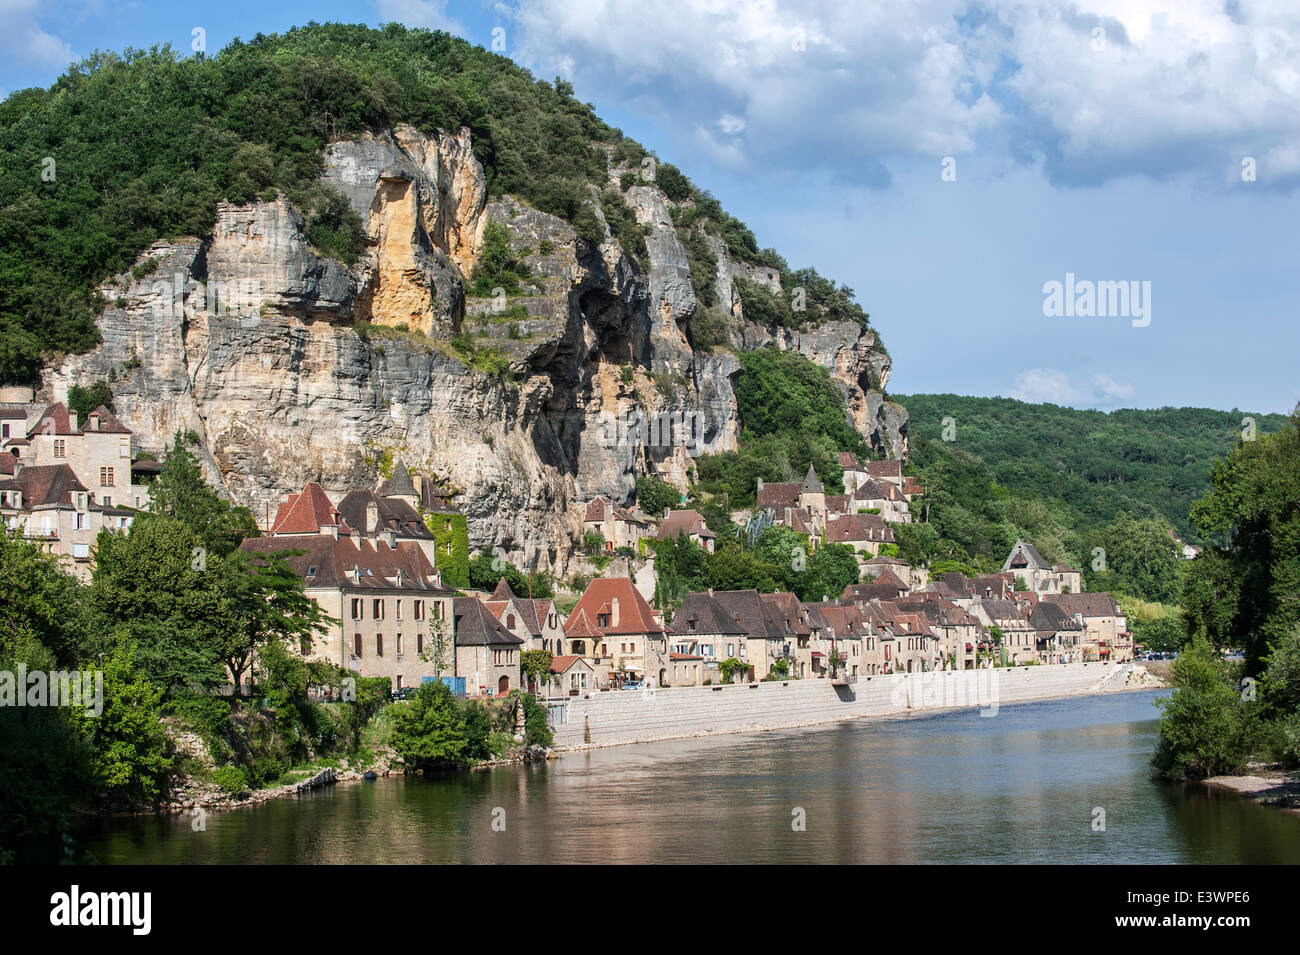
[1058, 634]
[393, 616]
[396, 511]
[765, 637]
[48, 504]
[806, 498]
[959, 632]
[537, 621]
[844, 632]
[1038, 575]
[688, 522]
[882, 497]
[99, 452]
[801, 626]
[701, 626]
[618, 526]
[1019, 642]
[865, 533]
[487, 654]
[570, 675]
[614, 627]
[1106, 635]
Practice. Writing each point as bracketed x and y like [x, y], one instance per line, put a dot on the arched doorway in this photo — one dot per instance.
[663, 677]
[503, 686]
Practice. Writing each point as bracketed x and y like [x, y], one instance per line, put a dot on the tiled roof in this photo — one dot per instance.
[1051, 616]
[596, 509]
[476, 627]
[7, 462]
[1033, 559]
[634, 614]
[790, 610]
[48, 485]
[394, 515]
[858, 527]
[1099, 604]
[58, 414]
[686, 521]
[752, 613]
[502, 590]
[847, 460]
[306, 513]
[706, 613]
[580, 625]
[335, 561]
[885, 469]
[873, 490]
[561, 664]
[107, 424]
[778, 497]
[399, 485]
[812, 483]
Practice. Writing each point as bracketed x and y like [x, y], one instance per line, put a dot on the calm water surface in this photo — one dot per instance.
[955, 787]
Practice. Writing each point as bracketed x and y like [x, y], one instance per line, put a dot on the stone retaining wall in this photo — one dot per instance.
[631, 716]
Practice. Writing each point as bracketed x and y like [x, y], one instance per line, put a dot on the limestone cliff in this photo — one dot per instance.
[294, 367]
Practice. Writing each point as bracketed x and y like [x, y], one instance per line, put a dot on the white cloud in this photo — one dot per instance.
[1053, 386]
[24, 41]
[1180, 86]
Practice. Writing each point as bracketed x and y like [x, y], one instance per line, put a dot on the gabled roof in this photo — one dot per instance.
[48, 485]
[848, 461]
[393, 513]
[1052, 617]
[101, 421]
[348, 563]
[885, 469]
[752, 613]
[1099, 604]
[7, 461]
[707, 614]
[307, 513]
[562, 664]
[790, 611]
[634, 614]
[858, 527]
[686, 521]
[874, 490]
[580, 625]
[1032, 560]
[476, 627]
[502, 590]
[777, 497]
[56, 413]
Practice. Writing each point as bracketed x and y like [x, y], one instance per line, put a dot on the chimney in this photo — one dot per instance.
[760, 484]
[668, 512]
[372, 520]
[72, 421]
[613, 612]
[710, 591]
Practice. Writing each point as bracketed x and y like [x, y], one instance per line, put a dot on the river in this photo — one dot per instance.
[1028, 785]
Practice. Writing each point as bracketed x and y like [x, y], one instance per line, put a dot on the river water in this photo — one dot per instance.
[1030, 784]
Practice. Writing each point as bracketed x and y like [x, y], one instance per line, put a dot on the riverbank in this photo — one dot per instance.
[1268, 787]
[620, 718]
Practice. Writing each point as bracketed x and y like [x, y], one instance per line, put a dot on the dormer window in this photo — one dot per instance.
[311, 571]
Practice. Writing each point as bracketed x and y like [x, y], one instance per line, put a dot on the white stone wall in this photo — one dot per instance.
[629, 716]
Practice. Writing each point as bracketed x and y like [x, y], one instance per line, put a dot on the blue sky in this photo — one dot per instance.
[1103, 138]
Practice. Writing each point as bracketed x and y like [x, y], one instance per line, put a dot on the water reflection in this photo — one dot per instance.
[1020, 787]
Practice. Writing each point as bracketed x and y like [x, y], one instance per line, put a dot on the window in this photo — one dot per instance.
[418, 610]
[81, 521]
[379, 644]
[81, 551]
[399, 681]
[60, 448]
[108, 502]
[399, 644]
[398, 615]
[4, 430]
[510, 621]
[419, 643]
[105, 477]
[358, 608]
[437, 610]
[602, 620]
[124, 447]
[379, 609]
[356, 645]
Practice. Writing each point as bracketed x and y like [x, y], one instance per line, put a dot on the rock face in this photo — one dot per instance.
[528, 407]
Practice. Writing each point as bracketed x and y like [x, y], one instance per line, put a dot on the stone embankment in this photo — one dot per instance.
[618, 717]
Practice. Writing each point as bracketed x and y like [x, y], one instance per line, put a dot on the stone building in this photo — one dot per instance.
[537, 622]
[487, 654]
[1038, 575]
[688, 522]
[618, 526]
[1106, 635]
[615, 629]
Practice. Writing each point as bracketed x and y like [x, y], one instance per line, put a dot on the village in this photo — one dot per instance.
[373, 563]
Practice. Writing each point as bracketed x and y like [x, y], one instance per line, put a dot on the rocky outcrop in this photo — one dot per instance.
[528, 406]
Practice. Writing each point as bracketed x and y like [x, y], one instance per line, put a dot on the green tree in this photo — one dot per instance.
[431, 731]
[1204, 724]
[536, 665]
[653, 495]
[181, 492]
[130, 745]
[82, 401]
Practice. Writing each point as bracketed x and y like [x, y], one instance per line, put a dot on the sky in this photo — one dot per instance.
[948, 161]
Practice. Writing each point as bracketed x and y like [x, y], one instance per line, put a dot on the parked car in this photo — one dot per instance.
[633, 685]
[405, 693]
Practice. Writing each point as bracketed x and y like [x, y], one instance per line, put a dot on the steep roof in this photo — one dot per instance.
[7, 461]
[580, 625]
[1051, 617]
[874, 490]
[1024, 556]
[335, 560]
[48, 485]
[858, 527]
[686, 521]
[848, 460]
[779, 496]
[399, 485]
[885, 469]
[476, 627]
[790, 611]
[56, 413]
[393, 514]
[748, 609]
[102, 421]
[562, 664]
[812, 484]
[502, 590]
[634, 614]
[707, 615]
[306, 513]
